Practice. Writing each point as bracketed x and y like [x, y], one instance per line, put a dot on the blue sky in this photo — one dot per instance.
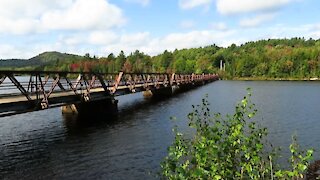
[100, 27]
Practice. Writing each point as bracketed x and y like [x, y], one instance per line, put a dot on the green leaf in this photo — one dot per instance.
[302, 167]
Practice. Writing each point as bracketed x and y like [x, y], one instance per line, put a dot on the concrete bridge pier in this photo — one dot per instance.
[158, 93]
[185, 87]
[199, 83]
[106, 107]
[175, 89]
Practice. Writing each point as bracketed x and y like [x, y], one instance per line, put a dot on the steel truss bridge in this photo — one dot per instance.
[26, 91]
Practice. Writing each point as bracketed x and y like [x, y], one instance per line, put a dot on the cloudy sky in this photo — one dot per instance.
[100, 27]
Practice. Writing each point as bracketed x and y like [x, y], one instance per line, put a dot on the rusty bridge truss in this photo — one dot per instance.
[24, 91]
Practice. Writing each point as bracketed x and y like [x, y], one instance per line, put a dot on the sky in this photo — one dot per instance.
[101, 27]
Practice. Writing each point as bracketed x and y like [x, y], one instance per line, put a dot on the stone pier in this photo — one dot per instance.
[104, 107]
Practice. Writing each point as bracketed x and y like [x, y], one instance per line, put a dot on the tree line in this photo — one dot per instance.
[272, 58]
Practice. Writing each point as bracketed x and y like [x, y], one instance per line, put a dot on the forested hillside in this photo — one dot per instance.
[40, 61]
[295, 58]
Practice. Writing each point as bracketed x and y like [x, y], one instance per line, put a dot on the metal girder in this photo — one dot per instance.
[43, 102]
[54, 84]
[2, 78]
[118, 80]
[172, 78]
[19, 86]
[103, 84]
[71, 85]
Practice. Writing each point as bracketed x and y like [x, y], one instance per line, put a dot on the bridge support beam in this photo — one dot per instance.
[92, 108]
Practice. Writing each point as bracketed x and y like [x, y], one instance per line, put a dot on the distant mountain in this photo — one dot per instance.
[46, 58]
[53, 57]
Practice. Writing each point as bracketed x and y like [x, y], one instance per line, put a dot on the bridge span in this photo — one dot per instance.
[85, 92]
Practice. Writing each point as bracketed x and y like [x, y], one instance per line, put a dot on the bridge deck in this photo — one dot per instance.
[19, 98]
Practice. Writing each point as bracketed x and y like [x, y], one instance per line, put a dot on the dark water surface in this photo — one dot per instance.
[48, 145]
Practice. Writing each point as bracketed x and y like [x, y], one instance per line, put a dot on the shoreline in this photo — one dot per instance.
[271, 79]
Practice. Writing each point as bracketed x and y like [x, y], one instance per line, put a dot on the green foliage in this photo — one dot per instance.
[299, 162]
[295, 58]
[233, 147]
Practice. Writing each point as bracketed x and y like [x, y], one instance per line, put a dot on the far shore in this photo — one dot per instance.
[273, 79]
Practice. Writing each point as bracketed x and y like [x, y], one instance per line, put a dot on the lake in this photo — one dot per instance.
[49, 145]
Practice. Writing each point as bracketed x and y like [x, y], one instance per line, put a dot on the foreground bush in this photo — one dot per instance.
[231, 147]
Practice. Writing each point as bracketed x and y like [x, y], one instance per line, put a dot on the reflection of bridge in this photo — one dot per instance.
[85, 92]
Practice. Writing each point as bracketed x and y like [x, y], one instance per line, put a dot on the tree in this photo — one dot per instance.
[287, 66]
[111, 57]
[179, 66]
[87, 55]
[203, 64]
[127, 67]
[166, 59]
[312, 66]
[120, 60]
[190, 66]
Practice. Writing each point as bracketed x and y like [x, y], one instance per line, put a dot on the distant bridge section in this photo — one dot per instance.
[76, 92]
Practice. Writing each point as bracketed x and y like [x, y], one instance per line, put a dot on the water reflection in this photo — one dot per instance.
[126, 110]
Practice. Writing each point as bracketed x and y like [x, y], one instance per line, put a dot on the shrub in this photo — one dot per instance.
[230, 147]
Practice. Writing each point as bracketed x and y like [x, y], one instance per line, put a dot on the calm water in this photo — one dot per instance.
[47, 145]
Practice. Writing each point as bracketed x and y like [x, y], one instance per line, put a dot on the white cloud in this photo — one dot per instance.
[91, 38]
[102, 43]
[93, 43]
[74, 39]
[23, 17]
[220, 26]
[135, 40]
[314, 35]
[142, 2]
[102, 37]
[155, 45]
[228, 7]
[257, 20]
[84, 15]
[20, 26]
[194, 38]
[187, 24]
[189, 4]
[312, 27]
[16, 9]
[128, 43]
[306, 31]
[7, 51]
